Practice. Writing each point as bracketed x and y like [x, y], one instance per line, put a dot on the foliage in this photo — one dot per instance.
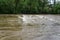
[7, 6]
[29, 6]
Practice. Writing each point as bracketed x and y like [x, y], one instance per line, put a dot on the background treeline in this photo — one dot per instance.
[29, 6]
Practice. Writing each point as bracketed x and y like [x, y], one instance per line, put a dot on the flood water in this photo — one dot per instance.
[31, 27]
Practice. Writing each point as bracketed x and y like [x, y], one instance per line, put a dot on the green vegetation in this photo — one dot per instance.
[29, 6]
[7, 6]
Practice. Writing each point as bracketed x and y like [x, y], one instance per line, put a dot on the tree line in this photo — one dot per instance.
[29, 7]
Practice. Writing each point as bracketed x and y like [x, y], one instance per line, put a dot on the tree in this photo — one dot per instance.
[7, 6]
[16, 4]
[54, 2]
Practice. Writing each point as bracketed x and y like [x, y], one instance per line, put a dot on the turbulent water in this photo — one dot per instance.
[32, 27]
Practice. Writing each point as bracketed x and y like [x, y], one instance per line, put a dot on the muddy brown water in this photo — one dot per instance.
[29, 27]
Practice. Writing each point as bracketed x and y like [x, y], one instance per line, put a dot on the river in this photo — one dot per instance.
[34, 27]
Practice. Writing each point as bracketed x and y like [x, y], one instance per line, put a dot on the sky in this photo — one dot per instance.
[52, 1]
